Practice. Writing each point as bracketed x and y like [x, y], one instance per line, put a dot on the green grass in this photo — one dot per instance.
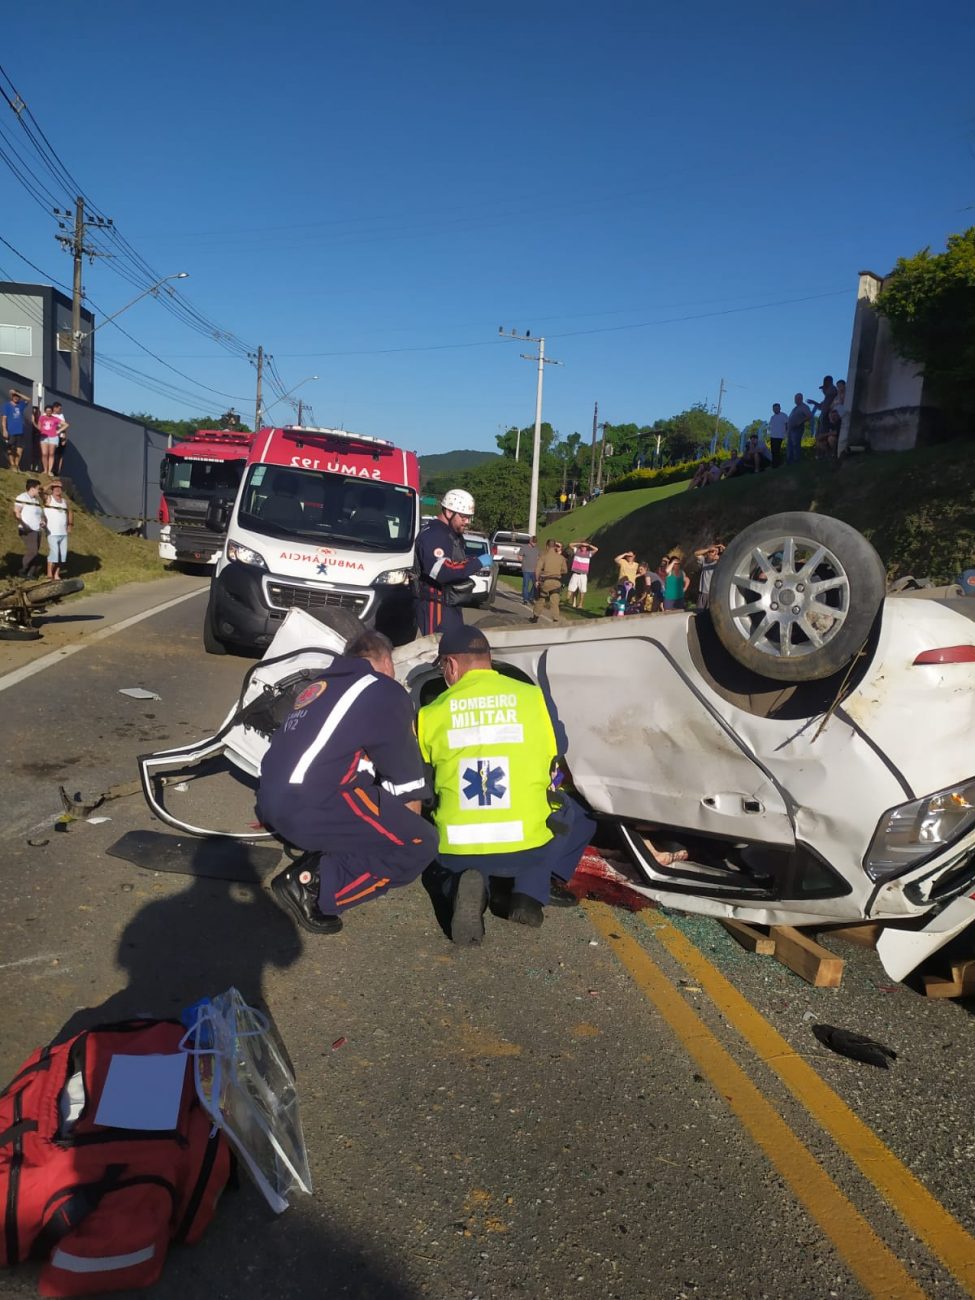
[916, 507]
[102, 558]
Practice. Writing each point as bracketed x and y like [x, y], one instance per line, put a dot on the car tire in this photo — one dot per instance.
[211, 642]
[794, 596]
[19, 634]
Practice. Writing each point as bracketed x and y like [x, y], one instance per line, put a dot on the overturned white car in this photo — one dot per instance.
[806, 740]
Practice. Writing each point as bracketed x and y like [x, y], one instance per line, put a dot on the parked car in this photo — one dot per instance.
[486, 581]
[808, 744]
[506, 547]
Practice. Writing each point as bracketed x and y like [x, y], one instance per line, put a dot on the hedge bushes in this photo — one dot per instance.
[643, 478]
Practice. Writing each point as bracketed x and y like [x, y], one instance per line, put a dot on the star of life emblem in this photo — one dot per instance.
[484, 783]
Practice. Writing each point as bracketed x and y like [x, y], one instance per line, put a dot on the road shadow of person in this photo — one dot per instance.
[213, 934]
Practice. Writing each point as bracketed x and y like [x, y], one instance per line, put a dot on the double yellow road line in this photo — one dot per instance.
[876, 1266]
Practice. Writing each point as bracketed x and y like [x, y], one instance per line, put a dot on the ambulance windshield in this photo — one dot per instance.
[309, 505]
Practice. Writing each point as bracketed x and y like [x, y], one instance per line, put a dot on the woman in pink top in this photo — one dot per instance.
[50, 427]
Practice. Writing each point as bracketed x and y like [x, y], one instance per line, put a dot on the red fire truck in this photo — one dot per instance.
[323, 520]
[200, 469]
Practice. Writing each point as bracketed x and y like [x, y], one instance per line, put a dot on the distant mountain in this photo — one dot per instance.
[452, 462]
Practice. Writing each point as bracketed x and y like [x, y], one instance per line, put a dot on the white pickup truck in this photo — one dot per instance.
[506, 550]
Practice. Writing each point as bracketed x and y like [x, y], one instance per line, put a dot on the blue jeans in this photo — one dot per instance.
[527, 586]
[793, 447]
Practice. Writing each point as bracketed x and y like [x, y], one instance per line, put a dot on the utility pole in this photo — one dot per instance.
[543, 361]
[301, 408]
[259, 362]
[717, 419]
[592, 461]
[602, 453]
[75, 244]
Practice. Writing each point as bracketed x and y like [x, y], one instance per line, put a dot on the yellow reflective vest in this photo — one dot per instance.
[490, 742]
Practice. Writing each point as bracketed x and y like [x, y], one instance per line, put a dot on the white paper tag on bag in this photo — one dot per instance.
[142, 1092]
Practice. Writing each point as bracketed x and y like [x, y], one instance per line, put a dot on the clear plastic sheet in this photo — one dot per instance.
[246, 1084]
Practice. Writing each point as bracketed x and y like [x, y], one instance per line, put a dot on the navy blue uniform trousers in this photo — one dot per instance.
[432, 615]
[532, 869]
[370, 842]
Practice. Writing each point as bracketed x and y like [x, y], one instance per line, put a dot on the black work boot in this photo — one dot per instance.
[525, 910]
[469, 902]
[560, 895]
[296, 890]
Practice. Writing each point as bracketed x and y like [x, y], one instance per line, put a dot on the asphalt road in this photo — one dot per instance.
[613, 1106]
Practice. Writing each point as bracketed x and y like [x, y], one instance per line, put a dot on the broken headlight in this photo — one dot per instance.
[911, 832]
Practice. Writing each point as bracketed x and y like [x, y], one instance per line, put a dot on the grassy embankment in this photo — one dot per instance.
[916, 507]
[102, 558]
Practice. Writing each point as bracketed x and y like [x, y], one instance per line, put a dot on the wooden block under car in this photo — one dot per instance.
[808, 959]
[865, 934]
[750, 937]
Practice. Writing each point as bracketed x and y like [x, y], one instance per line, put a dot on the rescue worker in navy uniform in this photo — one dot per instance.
[490, 743]
[343, 780]
[442, 561]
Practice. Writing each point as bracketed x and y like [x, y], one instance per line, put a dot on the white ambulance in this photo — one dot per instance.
[324, 521]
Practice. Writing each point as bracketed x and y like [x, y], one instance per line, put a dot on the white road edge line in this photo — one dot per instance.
[21, 674]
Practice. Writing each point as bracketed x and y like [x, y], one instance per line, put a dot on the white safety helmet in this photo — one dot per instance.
[458, 500]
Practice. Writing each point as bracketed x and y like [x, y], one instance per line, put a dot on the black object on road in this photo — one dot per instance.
[215, 858]
[858, 1047]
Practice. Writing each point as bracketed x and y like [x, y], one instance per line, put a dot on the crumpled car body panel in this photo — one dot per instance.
[777, 809]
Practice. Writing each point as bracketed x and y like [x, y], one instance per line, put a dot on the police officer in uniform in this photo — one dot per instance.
[443, 563]
[489, 741]
[343, 780]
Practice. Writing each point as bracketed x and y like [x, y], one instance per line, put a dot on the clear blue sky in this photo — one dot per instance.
[370, 190]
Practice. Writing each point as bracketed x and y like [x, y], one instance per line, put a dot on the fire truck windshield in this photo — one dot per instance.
[321, 507]
[200, 478]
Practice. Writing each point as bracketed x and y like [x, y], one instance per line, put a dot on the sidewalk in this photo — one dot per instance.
[79, 617]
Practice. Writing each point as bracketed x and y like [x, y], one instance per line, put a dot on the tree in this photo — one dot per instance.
[501, 490]
[929, 300]
[184, 428]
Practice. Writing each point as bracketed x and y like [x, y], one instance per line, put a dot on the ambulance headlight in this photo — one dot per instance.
[244, 555]
[911, 832]
[393, 578]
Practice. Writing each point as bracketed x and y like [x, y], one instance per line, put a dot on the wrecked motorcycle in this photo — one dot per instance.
[22, 602]
[806, 740]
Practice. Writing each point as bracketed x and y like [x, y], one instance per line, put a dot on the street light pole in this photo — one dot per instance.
[284, 396]
[543, 361]
[180, 275]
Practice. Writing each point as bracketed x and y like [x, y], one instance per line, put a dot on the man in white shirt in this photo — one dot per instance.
[29, 513]
[777, 425]
[58, 519]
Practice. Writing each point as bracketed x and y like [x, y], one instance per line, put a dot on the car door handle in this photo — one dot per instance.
[733, 803]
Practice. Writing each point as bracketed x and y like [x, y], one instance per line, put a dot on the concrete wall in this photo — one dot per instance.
[885, 393]
[26, 310]
[112, 461]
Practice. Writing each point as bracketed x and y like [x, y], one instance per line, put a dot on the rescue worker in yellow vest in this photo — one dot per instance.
[491, 746]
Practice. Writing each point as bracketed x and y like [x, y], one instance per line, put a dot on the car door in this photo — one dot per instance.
[643, 743]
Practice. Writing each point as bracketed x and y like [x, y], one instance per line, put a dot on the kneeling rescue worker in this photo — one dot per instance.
[490, 743]
[443, 563]
[343, 780]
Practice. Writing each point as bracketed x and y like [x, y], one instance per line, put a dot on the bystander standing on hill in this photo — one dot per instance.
[799, 417]
[582, 553]
[14, 418]
[29, 513]
[675, 585]
[63, 427]
[626, 566]
[778, 424]
[58, 520]
[708, 556]
[49, 438]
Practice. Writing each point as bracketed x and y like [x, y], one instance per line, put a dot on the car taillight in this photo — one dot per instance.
[494, 552]
[949, 654]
